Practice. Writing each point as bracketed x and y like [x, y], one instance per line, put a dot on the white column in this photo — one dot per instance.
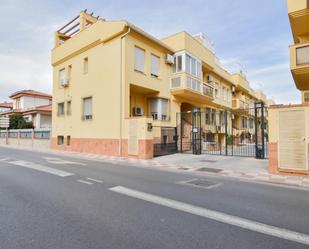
[38, 120]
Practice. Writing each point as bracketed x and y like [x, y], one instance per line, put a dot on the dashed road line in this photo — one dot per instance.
[85, 182]
[56, 160]
[42, 168]
[94, 180]
[217, 216]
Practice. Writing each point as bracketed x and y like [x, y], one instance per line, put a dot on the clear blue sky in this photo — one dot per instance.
[255, 33]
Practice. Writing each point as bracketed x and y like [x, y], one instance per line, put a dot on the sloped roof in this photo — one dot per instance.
[6, 104]
[30, 93]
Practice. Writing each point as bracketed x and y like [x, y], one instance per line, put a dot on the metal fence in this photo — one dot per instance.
[26, 134]
[242, 132]
[165, 141]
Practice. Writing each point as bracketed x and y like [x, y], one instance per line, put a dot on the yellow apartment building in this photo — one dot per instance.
[119, 91]
[289, 128]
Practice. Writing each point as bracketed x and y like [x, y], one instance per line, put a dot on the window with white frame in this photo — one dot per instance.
[178, 64]
[62, 76]
[155, 65]
[87, 108]
[139, 59]
[193, 66]
[60, 111]
[159, 109]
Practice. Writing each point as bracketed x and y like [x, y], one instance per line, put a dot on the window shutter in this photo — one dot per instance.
[87, 106]
[139, 59]
[155, 64]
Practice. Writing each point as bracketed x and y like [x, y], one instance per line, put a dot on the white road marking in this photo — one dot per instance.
[82, 181]
[55, 160]
[94, 180]
[4, 159]
[217, 216]
[42, 168]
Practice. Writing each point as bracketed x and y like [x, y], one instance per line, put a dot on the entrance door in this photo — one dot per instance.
[292, 140]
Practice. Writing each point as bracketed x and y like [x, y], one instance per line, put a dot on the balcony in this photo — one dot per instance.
[300, 65]
[191, 88]
[299, 19]
[239, 104]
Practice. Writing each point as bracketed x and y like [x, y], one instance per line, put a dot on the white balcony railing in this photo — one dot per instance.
[302, 55]
[185, 81]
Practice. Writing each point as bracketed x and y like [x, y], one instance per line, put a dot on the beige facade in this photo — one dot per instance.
[114, 85]
[288, 124]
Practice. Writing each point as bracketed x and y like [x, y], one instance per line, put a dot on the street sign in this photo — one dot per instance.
[4, 122]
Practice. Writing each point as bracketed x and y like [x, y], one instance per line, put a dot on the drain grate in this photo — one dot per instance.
[202, 183]
[211, 170]
[208, 161]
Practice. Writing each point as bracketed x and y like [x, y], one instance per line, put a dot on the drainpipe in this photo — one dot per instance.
[121, 109]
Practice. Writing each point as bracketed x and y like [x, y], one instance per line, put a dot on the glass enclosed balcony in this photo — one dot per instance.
[300, 65]
[186, 86]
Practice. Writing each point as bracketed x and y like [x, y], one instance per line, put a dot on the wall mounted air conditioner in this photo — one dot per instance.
[169, 59]
[210, 78]
[138, 111]
[65, 83]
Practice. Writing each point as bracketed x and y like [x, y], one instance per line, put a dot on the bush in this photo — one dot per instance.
[18, 122]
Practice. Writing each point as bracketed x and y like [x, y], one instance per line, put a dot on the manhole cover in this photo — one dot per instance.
[211, 170]
[208, 161]
[202, 183]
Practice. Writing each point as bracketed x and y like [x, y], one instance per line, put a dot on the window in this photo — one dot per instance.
[224, 93]
[60, 140]
[155, 65]
[139, 63]
[62, 77]
[216, 86]
[69, 72]
[193, 66]
[69, 108]
[210, 116]
[229, 95]
[60, 111]
[179, 63]
[159, 109]
[251, 122]
[68, 140]
[244, 122]
[87, 108]
[85, 66]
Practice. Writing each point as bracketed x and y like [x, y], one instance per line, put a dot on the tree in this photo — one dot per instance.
[18, 122]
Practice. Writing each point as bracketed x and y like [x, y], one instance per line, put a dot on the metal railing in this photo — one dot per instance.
[186, 81]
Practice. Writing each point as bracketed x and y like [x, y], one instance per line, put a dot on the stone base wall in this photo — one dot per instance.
[109, 147]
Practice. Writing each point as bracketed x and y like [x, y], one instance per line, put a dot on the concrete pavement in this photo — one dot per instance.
[242, 168]
[55, 201]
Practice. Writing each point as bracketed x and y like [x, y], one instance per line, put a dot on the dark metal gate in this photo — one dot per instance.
[241, 132]
[165, 141]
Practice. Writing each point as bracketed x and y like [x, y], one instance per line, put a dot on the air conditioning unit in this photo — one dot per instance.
[65, 82]
[210, 79]
[169, 59]
[138, 111]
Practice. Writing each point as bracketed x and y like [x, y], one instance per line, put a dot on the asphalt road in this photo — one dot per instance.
[58, 202]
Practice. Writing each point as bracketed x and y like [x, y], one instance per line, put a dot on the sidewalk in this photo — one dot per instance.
[248, 169]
